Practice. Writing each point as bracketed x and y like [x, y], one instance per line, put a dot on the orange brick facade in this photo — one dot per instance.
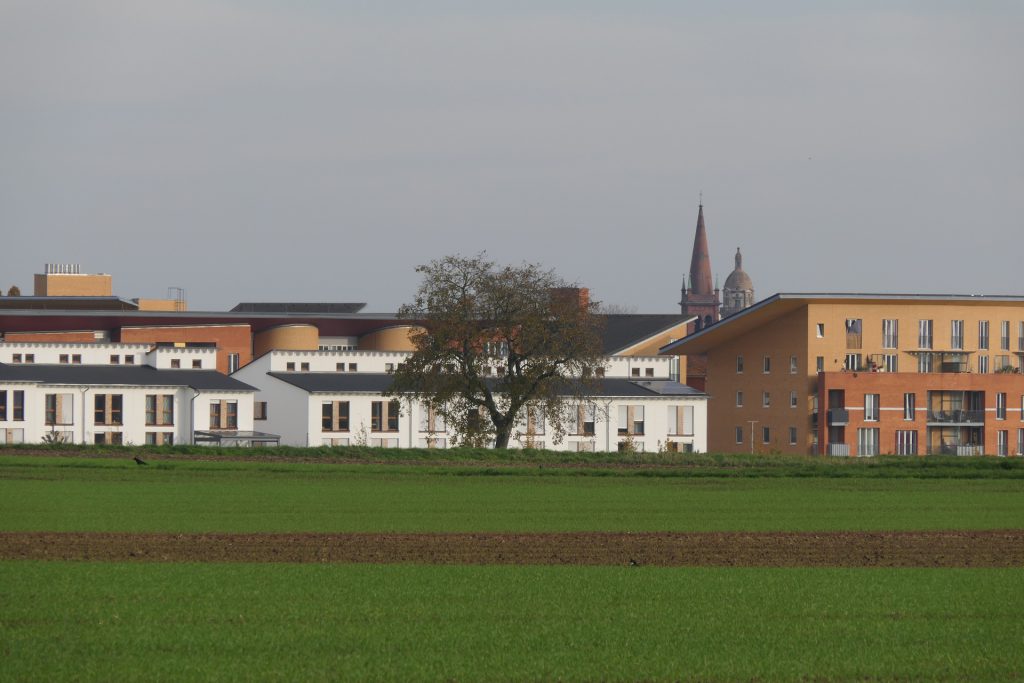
[920, 415]
[228, 338]
[82, 337]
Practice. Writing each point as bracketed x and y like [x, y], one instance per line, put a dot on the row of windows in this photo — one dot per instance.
[868, 443]
[943, 404]
[890, 334]
[107, 408]
[766, 435]
[766, 399]
[766, 365]
[383, 416]
[115, 359]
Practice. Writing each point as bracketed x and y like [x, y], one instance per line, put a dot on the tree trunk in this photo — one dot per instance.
[502, 436]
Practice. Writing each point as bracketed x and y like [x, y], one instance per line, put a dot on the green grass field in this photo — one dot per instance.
[308, 622]
[60, 494]
[136, 621]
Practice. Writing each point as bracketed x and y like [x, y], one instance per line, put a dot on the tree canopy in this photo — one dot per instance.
[492, 340]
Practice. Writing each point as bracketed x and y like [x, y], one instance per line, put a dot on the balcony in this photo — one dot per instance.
[840, 449]
[838, 416]
[956, 417]
[961, 449]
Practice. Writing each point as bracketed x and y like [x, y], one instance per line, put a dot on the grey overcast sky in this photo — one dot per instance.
[264, 150]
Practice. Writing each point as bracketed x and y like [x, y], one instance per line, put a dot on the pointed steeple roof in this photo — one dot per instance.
[700, 262]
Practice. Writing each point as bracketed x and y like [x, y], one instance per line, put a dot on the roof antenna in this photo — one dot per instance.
[701, 200]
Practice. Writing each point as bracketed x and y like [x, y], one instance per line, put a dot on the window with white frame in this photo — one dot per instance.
[1001, 406]
[1001, 363]
[160, 409]
[766, 399]
[431, 420]
[739, 364]
[767, 365]
[890, 334]
[906, 442]
[1002, 442]
[983, 364]
[680, 420]
[820, 330]
[793, 399]
[924, 334]
[1020, 335]
[60, 409]
[334, 416]
[384, 415]
[982, 334]
[852, 361]
[819, 364]
[631, 420]
[924, 362]
[956, 334]
[909, 406]
[1020, 442]
[871, 407]
[792, 436]
[867, 441]
[793, 366]
[766, 434]
[854, 333]
[739, 399]
[108, 409]
[1004, 335]
[739, 435]
[890, 362]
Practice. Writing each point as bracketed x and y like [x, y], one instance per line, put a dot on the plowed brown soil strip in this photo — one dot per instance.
[1003, 548]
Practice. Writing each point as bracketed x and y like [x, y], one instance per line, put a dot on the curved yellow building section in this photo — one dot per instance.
[389, 339]
[286, 338]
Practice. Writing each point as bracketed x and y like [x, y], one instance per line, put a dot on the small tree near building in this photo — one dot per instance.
[14, 291]
[492, 340]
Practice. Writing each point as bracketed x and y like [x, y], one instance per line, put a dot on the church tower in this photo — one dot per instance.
[701, 299]
[738, 292]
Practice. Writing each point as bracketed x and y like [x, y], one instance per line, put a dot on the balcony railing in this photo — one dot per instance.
[957, 416]
[842, 449]
[838, 416]
[961, 449]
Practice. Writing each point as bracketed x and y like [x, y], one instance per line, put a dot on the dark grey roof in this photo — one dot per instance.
[623, 330]
[297, 307]
[120, 375]
[368, 382]
[68, 303]
[336, 381]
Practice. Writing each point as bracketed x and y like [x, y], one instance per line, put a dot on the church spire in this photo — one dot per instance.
[700, 261]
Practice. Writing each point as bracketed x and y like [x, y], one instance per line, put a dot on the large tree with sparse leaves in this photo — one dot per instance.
[493, 341]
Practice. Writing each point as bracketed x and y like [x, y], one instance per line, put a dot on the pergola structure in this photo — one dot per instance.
[230, 437]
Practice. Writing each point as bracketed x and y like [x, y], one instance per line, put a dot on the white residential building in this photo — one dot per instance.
[314, 398]
[118, 394]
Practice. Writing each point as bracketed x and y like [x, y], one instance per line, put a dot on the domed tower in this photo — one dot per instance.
[701, 299]
[738, 292]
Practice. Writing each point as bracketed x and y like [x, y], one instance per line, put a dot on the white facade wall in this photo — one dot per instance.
[50, 353]
[189, 358]
[77, 423]
[72, 353]
[295, 414]
[641, 367]
[285, 402]
[329, 361]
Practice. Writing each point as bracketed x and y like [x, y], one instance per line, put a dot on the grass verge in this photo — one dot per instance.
[72, 494]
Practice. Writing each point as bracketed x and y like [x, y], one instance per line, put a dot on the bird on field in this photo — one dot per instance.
[139, 461]
[633, 563]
